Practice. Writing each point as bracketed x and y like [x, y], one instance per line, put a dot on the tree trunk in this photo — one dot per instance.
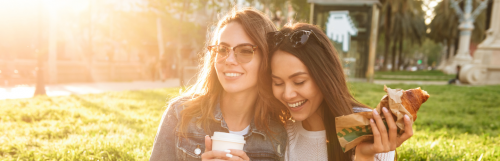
[159, 33]
[387, 37]
[179, 66]
[40, 83]
[90, 50]
[394, 65]
[401, 58]
[161, 49]
[401, 55]
[386, 51]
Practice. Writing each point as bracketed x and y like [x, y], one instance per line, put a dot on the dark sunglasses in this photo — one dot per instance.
[297, 38]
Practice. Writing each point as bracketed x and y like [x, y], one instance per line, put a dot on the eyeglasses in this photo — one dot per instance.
[243, 53]
[298, 38]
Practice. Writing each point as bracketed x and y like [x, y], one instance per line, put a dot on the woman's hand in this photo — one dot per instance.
[233, 154]
[383, 141]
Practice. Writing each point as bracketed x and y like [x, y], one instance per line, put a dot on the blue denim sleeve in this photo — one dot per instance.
[164, 147]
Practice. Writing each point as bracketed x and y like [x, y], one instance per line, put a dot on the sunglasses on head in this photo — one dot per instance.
[297, 38]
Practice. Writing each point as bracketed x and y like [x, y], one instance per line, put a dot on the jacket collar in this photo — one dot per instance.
[218, 116]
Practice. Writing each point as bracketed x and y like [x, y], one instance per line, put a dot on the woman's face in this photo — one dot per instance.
[234, 76]
[294, 86]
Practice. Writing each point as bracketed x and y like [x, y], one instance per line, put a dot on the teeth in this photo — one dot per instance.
[232, 74]
[293, 105]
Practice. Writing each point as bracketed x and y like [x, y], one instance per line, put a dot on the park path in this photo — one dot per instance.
[410, 82]
[417, 82]
[27, 91]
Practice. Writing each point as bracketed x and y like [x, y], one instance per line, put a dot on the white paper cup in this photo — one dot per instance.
[223, 141]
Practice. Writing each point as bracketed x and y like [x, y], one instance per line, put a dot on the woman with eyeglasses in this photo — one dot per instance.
[227, 97]
[307, 77]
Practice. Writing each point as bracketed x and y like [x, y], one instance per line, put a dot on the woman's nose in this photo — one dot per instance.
[231, 58]
[290, 93]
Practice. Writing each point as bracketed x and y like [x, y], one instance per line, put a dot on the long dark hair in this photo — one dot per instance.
[325, 68]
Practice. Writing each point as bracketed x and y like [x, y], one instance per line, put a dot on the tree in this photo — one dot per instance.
[40, 82]
[403, 19]
[444, 26]
[302, 9]
[190, 16]
[387, 12]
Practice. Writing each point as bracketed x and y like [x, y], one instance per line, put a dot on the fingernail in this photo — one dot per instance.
[371, 120]
[407, 117]
[375, 112]
[227, 151]
[385, 109]
[229, 155]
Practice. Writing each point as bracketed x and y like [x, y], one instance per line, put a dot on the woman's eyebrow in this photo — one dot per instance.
[223, 43]
[227, 44]
[296, 74]
[291, 76]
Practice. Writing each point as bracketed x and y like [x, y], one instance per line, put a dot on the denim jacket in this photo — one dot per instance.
[170, 145]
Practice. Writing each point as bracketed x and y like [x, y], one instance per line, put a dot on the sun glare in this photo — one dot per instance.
[428, 7]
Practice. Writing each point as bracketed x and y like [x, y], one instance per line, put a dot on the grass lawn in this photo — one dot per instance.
[457, 123]
[416, 75]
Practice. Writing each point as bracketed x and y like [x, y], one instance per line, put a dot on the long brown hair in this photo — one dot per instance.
[207, 89]
[325, 68]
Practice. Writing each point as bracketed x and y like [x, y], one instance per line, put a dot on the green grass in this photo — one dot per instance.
[457, 123]
[416, 75]
[109, 126]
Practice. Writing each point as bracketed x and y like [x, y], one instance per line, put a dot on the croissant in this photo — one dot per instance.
[411, 99]
[355, 128]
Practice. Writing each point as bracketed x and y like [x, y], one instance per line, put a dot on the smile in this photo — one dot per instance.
[297, 104]
[232, 74]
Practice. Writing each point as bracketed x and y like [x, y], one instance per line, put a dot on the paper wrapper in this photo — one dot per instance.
[355, 128]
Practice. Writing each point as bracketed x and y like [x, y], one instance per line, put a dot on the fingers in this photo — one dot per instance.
[393, 129]
[236, 158]
[208, 143]
[383, 131]
[377, 140]
[214, 155]
[408, 131]
[238, 153]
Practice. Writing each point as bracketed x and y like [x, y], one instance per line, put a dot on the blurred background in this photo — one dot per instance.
[61, 41]
[90, 79]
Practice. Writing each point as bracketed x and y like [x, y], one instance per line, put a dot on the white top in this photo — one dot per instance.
[311, 145]
[243, 132]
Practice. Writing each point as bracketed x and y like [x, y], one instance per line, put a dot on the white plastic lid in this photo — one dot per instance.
[222, 136]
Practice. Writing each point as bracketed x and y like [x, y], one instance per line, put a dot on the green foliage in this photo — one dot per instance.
[456, 123]
[405, 20]
[444, 26]
[401, 20]
[302, 9]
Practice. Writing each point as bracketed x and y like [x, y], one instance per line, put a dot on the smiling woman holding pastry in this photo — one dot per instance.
[307, 77]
